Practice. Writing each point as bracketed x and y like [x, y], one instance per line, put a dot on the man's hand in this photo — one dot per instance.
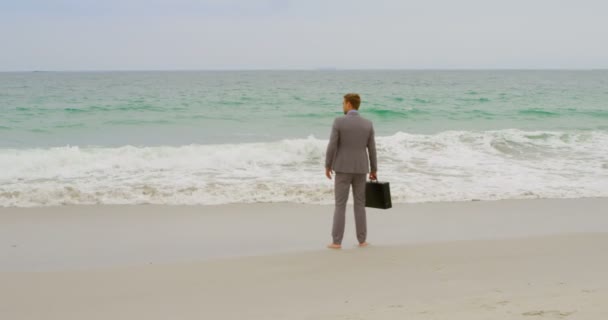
[328, 173]
[372, 176]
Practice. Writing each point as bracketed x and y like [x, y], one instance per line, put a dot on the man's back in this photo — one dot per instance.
[351, 136]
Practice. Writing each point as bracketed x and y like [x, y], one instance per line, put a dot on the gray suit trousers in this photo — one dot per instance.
[343, 181]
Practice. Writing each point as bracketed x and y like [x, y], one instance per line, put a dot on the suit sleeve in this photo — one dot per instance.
[332, 146]
[371, 149]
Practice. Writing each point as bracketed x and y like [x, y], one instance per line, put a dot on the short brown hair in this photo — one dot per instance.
[354, 100]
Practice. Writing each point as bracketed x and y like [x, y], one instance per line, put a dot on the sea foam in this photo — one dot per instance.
[447, 166]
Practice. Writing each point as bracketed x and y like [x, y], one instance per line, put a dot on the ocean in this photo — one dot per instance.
[217, 137]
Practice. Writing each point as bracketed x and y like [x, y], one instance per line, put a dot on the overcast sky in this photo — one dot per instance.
[301, 34]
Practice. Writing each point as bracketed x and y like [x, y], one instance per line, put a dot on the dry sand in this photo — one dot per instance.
[528, 259]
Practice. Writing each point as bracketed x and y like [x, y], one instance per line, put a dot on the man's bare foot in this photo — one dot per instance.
[334, 246]
[363, 244]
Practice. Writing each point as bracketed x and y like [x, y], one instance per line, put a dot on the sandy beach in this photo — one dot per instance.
[172, 160]
[517, 259]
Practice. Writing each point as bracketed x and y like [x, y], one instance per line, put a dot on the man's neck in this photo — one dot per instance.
[352, 111]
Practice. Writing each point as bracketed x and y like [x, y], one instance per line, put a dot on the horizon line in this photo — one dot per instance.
[303, 69]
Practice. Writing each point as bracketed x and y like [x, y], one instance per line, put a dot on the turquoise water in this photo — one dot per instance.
[260, 136]
[175, 108]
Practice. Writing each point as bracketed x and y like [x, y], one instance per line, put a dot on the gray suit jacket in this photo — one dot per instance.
[346, 152]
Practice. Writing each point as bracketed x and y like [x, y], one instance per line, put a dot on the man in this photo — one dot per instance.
[346, 155]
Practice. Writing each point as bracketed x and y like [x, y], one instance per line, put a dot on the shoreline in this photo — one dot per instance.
[283, 203]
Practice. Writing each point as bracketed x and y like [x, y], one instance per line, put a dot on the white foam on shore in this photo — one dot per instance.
[448, 166]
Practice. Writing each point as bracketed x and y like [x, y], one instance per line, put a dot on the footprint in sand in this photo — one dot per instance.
[548, 313]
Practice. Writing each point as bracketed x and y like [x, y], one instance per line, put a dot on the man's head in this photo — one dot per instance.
[352, 101]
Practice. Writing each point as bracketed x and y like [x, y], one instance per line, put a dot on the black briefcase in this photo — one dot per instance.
[378, 195]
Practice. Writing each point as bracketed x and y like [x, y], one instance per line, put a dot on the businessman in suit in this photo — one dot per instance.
[351, 154]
